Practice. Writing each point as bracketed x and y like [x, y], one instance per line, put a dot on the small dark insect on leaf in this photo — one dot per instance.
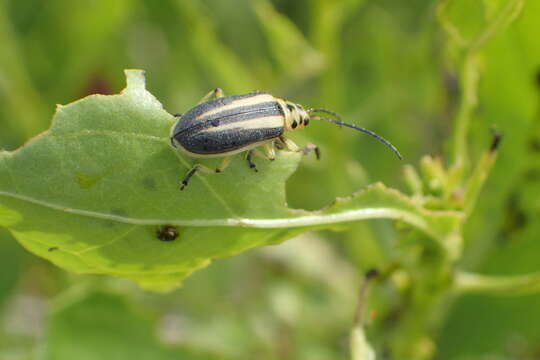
[167, 233]
[53, 248]
[496, 140]
[372, 273]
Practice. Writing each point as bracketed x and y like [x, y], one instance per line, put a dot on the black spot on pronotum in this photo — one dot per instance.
[294, 124]
[52, 248]
[290, 107]
[167, 233]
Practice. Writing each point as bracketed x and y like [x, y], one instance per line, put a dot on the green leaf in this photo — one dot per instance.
[90, 194]
[102, 326]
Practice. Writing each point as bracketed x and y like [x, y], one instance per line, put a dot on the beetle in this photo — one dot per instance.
[166, 233]
[223, 126]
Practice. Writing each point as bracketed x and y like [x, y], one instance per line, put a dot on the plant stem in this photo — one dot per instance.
[480, 174]
[424, 306]
[469, 81]
[360, 348]
[469, 71]
[509, 285]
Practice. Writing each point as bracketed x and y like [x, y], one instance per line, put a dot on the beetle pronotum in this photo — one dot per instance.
[228, 125]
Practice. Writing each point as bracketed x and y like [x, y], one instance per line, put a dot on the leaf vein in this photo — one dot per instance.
[112, 241]
[208, 186]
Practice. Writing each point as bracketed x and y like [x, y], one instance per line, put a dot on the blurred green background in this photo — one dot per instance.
[387, 65]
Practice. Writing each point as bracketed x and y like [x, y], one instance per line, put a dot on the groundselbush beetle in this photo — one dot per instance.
[223, 126]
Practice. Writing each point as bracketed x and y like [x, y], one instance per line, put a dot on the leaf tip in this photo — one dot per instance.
[135, 79]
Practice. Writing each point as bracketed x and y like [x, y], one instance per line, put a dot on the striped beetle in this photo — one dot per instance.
[227, 125]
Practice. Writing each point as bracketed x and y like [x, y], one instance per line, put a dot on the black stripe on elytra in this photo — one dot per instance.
[236, 114]
[267, 108]
[206, 106]
[228, 140]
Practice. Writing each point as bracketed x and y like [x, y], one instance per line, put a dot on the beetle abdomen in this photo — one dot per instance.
[229, 124]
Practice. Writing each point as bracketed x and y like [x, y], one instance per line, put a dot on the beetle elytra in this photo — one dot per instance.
[223, 126]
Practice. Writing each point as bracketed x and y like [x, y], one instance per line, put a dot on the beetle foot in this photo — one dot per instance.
[188, 176]
[251, 164]
[312, 147]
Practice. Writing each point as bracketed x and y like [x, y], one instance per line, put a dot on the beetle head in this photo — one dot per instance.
[295, 116]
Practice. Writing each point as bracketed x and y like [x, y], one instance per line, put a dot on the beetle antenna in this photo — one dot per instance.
[326, 111]
[369, 132]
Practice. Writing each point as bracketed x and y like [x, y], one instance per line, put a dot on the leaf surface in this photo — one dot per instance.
[90, 194]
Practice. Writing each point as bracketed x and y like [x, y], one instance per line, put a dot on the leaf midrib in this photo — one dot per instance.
[268, 223]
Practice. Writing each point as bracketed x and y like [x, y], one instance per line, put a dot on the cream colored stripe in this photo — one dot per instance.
[256, 123]
[253, 100]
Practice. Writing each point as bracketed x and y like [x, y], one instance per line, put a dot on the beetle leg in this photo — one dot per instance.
[278, 144]
[251, 164]
[268, 154]
[224, 163]
[312, 147]
[289, 144]
[269, 151]
[306, 149]
[217, 92]
[200, 167]
[192, 171]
